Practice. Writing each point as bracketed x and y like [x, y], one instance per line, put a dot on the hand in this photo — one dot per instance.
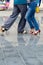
[37, 9]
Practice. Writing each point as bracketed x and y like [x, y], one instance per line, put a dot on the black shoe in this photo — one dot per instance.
[24, 32]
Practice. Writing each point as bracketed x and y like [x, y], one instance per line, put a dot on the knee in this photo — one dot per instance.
[27, 17]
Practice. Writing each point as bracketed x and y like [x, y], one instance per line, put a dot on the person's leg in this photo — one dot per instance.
[11, 19]
[28, 18]
[30, 14]
[36, 26]
[21, 25]
[35, 23]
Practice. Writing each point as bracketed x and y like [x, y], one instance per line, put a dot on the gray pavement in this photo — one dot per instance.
[19, 49]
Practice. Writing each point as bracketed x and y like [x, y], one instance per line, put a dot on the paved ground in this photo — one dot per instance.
[19, 49]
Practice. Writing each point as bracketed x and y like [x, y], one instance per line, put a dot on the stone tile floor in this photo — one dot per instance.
[19, 49]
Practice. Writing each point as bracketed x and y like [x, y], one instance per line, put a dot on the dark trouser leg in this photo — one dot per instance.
[12, 18]
[21, 25]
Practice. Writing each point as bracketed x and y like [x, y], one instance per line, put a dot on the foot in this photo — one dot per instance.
[36, 32]
[1, 30]
[24, 32]
[31, 31]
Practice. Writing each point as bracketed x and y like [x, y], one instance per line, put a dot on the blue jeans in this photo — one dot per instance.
[30, 16]
[17, 9]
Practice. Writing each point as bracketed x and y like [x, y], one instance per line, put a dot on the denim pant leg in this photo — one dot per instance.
[31, 17]
[28, 17]
[22, 22]
[36, 26]
[12, 18]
